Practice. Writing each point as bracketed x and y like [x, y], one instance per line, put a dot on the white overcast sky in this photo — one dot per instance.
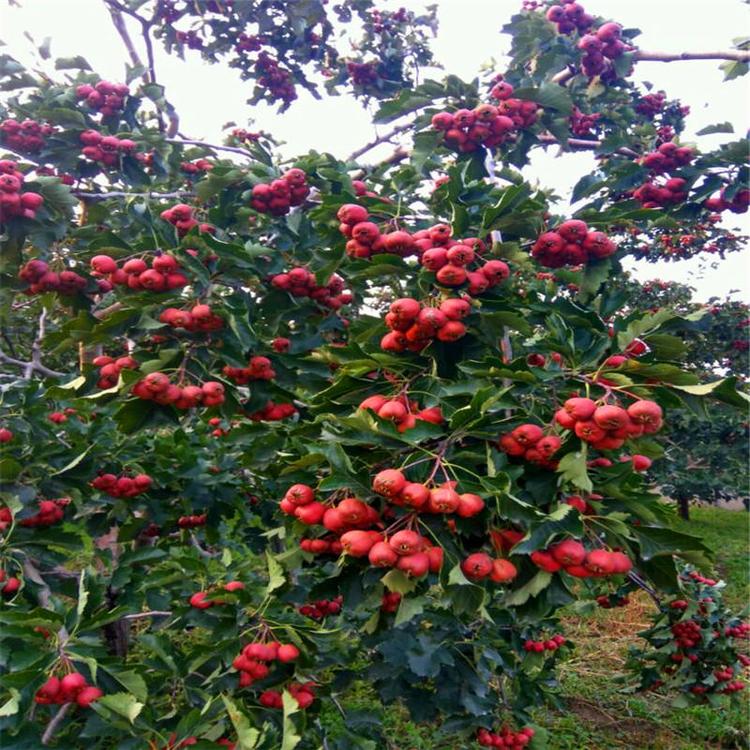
[208, 96]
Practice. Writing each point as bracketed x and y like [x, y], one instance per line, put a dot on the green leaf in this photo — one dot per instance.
[531, 588]
[398, 581]
[83, 594]
[123, 704]
[291, 739]
[247, 736]
[572, 468]
[276, 578]
[722, 127]
[9, 469]
[409, 608]
[549, 95]
[132, 682]
[77, 460]
[724, 390]
[72, 63]
[10, 707]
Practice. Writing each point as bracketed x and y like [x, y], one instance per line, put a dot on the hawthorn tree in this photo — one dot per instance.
[274, 430]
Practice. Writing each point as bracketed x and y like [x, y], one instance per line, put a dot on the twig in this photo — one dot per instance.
[191, 142]
[380, 139]
[738, 55]
[547, 138]
[35, 367]
[143, 615]
[115, 12]
[202, 552]
[55, 723]
[92, 196]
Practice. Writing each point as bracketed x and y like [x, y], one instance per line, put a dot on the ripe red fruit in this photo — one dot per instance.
[415, 495]
[495, 271]
[527, 434]
[580, 409]
[358, 543]
[382, 555]
[646, 413]
[103, 264]
[599, 561]
[611, 417]
[288, 652]
[568, 552]
[640, 462]
[469, 505]
[406, 542]
[455, 308]
[389, 482]
[5, 435]
[351, 213]
[477, 566]
[198, 600]
[405, 308]
[415, 566]
[503, 571]
[443, 500]
[300, 494]
[88, 695]
[71, 684]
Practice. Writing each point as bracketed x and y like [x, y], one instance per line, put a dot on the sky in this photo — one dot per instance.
[207, 97]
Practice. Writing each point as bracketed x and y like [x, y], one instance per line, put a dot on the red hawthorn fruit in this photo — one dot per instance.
[477, 566]
[415, 495]
[359, 543]
[389, 482]
[640, 462]
[568, 552]
[580, 409]
[382, 555]
[599, 561]
[406, 542]
[5, 435]
[415, 566]
[503, 571]
[611, 417]
[469, 505]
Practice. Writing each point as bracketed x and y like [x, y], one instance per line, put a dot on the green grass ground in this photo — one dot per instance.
[598, 715]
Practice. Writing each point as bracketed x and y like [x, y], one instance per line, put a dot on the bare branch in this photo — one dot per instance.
[86, 195]
[738, 55]
[546, 138]
[55, 722]
[143, 615]
[30, 366]
[190, 142]
[202, 552]
[384, 138]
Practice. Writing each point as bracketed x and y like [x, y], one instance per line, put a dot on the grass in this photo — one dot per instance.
[598, 714]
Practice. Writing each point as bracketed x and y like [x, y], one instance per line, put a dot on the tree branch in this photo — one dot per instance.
[30, 367]
[143, 615]
[55, 722]
[190, 142]
[738, 55]
[546, 138]
[384, 138]
[91, 196]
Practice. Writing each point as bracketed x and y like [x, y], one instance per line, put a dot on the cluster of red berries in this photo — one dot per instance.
[450, 266]
[401, 411]
[351, 513]
[278, 196]
[156, 387]
[582, 124]
[281, 344]
[50, 512]
[571, 244]
[687, 633]
[390, 602]
[110, 368]
[252, 664]
[326, 546]
[299, 282]
[654, 195]
[321, 608]
[36, 273]
[6, 517]
[13, 200]
[414, 325]
[569, 17]
[199, 166]
[572, 557]
[480, 565]
[200, 599]
[600, 48]
[636, 348]
[105, 149]
[248, 43]
[199, 318]
[738, 631]
[258, 368]
[392, 484]
[406, 550]
[738, 204]
[71, 688]
[275, 79]
[651, 104]
[550, 644]
[27, 135]
[667, 157]
[106, 98]
[245, 135]
[530, 442]
[192, 522]
[606, 601]
[303, 694]
[10, 584]
[182, 219]
[164, 274]
[273, 412]
[363, 73]
[505, 737]
[487, 125]
[606, 427]
[122, 486]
